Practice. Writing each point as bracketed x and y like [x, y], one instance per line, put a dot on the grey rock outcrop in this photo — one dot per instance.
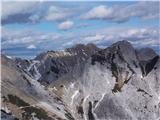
[89, 83]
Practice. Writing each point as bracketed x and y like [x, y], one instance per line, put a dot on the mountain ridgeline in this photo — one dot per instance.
[83, 82]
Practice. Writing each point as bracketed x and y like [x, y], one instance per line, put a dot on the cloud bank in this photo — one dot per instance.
[33, 12]
[119, 13]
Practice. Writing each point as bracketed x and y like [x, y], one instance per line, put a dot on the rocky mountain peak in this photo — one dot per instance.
[123, 43]
[85, 82]
[51, 65]
[145, 54]
[82, 49]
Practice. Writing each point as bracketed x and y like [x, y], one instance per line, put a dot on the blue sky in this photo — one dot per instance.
[29, 28]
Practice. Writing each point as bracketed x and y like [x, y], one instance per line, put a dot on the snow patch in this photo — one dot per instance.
[5, 108]
[74, 95]
[84, 107]
[55, 88]
[103, 94]
[85, 54]
[95, 116]
[72, 85]
[9, 57]
[159, 97]
[37, 75]
[65, 88]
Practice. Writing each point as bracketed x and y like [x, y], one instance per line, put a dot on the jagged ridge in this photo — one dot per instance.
[93, 83]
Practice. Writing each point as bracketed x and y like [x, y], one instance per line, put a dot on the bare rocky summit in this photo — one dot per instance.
[83, 83]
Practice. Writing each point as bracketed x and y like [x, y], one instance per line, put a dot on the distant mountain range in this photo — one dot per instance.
[83, 82]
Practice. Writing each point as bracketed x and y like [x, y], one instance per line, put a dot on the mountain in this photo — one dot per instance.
[51, 65]
[25, 98]
[85, 83]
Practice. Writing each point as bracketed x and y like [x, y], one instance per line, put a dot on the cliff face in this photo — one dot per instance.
[89, 83]
[51, 65]
[25, 98]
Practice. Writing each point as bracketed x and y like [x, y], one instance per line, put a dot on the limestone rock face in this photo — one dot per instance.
[51, 65]
[88, 83]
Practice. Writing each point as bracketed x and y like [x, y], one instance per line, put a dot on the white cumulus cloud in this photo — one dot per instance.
[122, 13]
[66, 25]
[31, 47]
[57, 13]
[99, 12]
[13, 8]
[96, 37]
